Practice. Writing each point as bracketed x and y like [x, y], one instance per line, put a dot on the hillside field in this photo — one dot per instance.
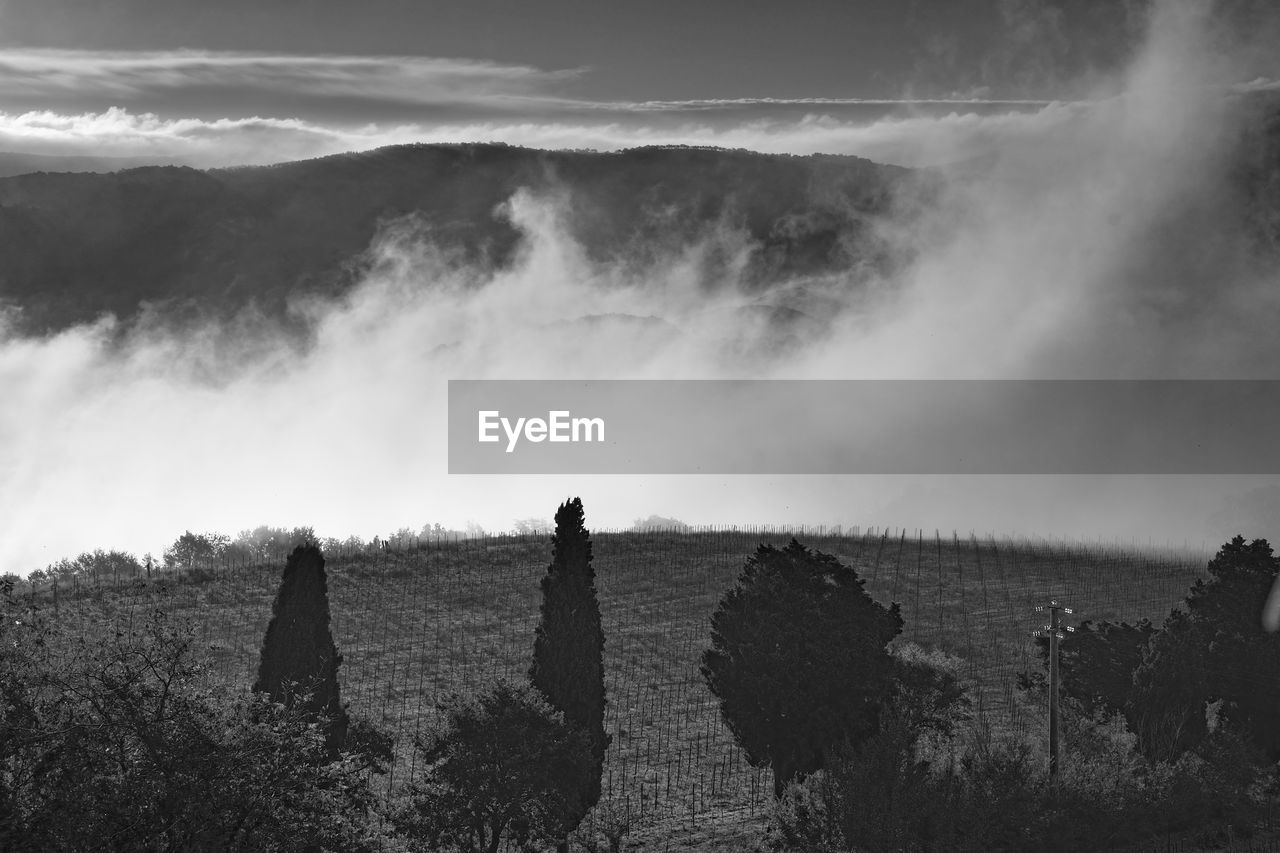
[415, 624]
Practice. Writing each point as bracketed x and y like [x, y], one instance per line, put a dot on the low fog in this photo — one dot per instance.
[1093, 240]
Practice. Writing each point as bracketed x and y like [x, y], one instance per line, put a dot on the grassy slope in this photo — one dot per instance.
[414, 626]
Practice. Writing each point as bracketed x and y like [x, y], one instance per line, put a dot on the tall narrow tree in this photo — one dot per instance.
[568, 648]
[299, 657]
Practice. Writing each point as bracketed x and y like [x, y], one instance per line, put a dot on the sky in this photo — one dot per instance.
[628, 51]
[228, 83]
[1098, 245]
[250, 83]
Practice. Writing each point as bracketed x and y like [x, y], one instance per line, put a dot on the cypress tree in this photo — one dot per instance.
[298, 652]
[568, 647]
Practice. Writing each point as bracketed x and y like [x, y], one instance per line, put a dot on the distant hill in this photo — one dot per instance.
[21, 163]
[76, 245]
[183, 242]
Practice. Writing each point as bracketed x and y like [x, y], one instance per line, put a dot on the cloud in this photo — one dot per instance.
[1111, 245]
[117, 132]
[408, 80]
[178, 106]
[53, 74]
[220, 108]
[729, 103]
[1259, 84]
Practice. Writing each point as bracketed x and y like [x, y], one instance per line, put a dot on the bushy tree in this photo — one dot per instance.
[798, 659]
[264, 543]
[1171, 691]
[659, 523]
[531, 526]
[1214, 650]
[122, 744]
[882, 794]
[1244, 661]
[504, 766]
[437, 532]
[96, 567]
[568, 646]
[927, 696]
[195, 549]
[299, 663]
[986, 790]
[1098, 661]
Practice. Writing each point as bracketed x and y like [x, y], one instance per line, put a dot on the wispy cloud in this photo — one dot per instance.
[54, 76]
[59, 75]
[1259, 84]
[729, 103]
[210, 108]
[213, 108]
[117, 132]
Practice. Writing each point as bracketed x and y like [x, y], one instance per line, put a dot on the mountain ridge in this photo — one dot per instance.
[175, 244]
[214, 241]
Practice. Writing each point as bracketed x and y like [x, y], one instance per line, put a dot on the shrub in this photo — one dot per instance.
[122, 744]
[504, 766]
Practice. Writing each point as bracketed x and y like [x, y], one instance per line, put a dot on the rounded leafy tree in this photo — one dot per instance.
[1214, 651]
[798, 659]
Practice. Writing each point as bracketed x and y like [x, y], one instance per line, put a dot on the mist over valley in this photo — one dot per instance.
[227, 347]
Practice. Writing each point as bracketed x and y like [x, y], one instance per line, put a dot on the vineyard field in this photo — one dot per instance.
[417, 623]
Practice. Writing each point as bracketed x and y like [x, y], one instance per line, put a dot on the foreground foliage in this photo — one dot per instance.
[504, 766]
[1211, 654]
[888, 794]
[1169, 731]
[119, 742]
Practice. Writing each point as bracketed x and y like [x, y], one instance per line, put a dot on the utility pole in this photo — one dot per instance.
[1055, 631]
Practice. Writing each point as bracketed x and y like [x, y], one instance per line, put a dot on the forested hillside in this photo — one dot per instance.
[76, 245]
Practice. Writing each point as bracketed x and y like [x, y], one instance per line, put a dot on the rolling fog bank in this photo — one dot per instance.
[217, 350]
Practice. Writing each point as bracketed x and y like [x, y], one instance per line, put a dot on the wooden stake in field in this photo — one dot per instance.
[1055, 631]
